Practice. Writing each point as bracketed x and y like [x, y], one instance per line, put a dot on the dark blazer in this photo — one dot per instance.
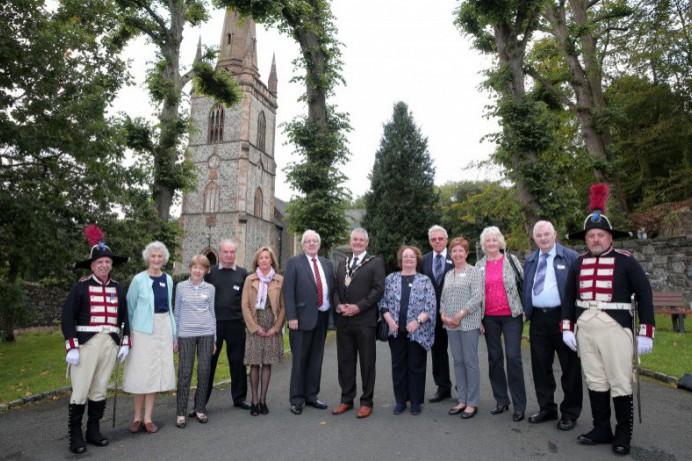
[300, 290]
[564, 257]
[365, 290]
[428, 270]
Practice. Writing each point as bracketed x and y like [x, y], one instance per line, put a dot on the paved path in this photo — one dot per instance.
[39, 432]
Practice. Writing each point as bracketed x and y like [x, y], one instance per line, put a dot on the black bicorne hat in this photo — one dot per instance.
[597, 219]
[98, 249]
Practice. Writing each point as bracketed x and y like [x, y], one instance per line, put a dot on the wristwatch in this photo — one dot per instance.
[418, 320]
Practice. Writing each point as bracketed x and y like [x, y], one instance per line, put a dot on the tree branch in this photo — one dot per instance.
[550, 87]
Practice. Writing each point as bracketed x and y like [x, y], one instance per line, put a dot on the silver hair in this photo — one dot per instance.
[310, 231]
[231, 241]
[543, 223]
[360, 230]
[437, 228]
[155, 246]
[496, 231]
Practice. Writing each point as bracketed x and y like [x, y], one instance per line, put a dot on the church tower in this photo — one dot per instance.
[233, 152]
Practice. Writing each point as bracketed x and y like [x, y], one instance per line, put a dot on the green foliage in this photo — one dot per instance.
[216, 83]
[12, 308]
[471, 206]
[402, 202]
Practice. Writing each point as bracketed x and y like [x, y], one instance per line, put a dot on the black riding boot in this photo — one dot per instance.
[74, 427]
[624, 415]
[600, 410]
[93, 433]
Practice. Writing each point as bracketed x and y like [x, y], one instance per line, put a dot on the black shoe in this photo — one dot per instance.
[594, 437]
[456, 410]
[296, 409]
[566, 423]
[95, 411]
[399, 408]
[621, 449]
[469, 414]
[543, 416]
[320, 405]
[440, 396]
[518, 416]
[244, 404]
[254, 409]
[499, 409]
[263, 409]
[76, 412]
[415, 409]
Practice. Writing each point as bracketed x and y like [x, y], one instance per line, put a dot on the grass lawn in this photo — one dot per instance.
[35, 363]
[672, 353]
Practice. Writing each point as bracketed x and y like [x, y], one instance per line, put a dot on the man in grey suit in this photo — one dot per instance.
[308, 288]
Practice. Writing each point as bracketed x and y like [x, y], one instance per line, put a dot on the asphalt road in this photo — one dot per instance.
[39, 431]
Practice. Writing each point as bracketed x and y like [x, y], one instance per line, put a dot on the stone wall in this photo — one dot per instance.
[44, 305]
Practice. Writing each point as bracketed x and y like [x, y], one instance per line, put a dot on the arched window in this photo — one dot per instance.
[261, 130]
[211, 197]
[216, 124]
[259, 202]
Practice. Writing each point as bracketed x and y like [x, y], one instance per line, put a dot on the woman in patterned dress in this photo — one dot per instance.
[461, 312]
[408, 306]
[264, 314]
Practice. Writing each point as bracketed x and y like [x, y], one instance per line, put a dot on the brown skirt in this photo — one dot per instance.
[260, 350]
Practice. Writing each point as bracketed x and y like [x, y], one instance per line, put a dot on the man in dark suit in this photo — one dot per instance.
[308, 288]
[359, 287]
[545, 278]
[435, 265]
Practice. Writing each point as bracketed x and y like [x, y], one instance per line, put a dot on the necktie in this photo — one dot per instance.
[540, 274]
[354, 263]
[318, 280]
[437, 270]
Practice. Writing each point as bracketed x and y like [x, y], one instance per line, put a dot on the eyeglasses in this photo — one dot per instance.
[436, 239]
[311, 242]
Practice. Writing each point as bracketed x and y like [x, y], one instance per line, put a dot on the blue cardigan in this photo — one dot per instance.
[140, 303]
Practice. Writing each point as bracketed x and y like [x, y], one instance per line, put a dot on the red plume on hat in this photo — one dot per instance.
[598, 196]
[93, 234]
[99, 249]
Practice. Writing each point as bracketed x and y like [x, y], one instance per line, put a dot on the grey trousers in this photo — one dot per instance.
[464, 347]
[204, 345]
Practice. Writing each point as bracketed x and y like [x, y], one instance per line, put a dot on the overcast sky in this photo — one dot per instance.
[393, 51]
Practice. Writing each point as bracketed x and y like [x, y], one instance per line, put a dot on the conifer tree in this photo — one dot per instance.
[402, 202]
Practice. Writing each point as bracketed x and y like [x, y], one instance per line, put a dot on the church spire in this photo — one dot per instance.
[272, 76]
[198, 55]
[238, 50]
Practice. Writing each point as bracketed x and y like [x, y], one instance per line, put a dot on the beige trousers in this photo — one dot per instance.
[96, 362]
[605, 349]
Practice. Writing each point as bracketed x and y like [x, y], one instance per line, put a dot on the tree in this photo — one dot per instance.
[504, 29]
[60, 157]
[402, 202]
[319, 137]
[475, 205]
[163, 22]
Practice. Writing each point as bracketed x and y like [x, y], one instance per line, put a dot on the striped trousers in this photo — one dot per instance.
[204, 345]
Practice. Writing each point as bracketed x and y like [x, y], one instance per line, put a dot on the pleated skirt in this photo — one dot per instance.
[149, 367]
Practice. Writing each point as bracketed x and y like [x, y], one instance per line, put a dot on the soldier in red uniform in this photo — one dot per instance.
[92, 317]
[597, 306]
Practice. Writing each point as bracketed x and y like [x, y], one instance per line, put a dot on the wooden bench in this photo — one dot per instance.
[672, 303]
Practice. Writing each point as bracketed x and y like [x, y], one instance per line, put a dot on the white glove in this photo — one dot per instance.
[122, 354]
[570, 340]
[72, 357]
[644, 345]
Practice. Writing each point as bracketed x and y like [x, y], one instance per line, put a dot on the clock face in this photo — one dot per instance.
[213, 161]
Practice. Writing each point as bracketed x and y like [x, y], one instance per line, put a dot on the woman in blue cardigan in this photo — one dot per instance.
[408, 306]
[149, 368]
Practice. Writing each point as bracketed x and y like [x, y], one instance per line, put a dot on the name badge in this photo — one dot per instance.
[236, 287]
[204, 297]
[449, 261]
[162, 284]
[561, 266]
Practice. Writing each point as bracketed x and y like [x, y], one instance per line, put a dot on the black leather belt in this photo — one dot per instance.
[545, 310]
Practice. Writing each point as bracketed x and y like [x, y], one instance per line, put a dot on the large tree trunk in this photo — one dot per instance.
[586, 82]
[511, 55]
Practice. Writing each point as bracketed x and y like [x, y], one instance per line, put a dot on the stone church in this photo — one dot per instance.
[233, 152]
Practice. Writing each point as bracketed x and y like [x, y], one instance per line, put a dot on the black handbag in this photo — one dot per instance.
[518, 278]
[382, 329]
